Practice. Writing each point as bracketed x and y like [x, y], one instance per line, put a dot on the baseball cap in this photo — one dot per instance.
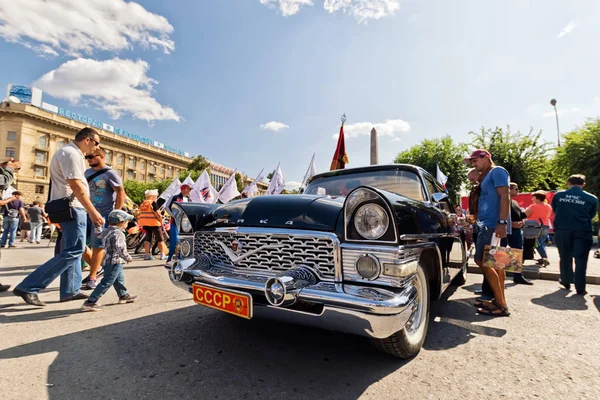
[117, 216]
[184, 186]
[479, 153]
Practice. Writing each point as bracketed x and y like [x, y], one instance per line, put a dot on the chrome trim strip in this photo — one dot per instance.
[427, 236]
[391, 216]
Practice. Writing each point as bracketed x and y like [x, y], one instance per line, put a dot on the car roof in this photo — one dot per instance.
[369, 168]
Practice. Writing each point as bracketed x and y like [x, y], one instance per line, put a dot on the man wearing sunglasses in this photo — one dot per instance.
[67, 179]
[104, 182]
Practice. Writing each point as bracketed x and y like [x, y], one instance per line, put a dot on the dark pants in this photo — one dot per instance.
[573, 245]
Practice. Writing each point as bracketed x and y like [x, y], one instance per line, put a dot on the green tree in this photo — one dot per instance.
[526, 157]
[239, 181]
[199, 163]
[444, 151]
[580, 154]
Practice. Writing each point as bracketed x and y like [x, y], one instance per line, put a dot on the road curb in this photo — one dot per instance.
[535, 274]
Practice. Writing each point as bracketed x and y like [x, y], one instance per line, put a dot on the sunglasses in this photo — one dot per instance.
[90, 157]
[95, 142]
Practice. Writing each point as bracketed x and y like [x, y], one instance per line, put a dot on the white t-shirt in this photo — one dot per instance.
[67, 163]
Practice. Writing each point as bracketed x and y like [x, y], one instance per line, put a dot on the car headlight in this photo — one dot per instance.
[371, 221]
[368, 267]
[186, 225]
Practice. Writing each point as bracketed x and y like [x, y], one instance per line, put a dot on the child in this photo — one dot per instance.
[115, 254]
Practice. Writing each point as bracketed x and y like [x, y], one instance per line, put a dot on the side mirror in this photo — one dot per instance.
[437, 197]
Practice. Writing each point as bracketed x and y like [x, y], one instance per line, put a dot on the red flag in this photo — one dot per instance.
[340, 158]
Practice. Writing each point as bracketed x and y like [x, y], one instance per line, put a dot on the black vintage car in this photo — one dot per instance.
[361, 251]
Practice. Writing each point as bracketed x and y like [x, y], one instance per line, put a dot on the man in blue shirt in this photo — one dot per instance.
[574, 210]
[493, 217]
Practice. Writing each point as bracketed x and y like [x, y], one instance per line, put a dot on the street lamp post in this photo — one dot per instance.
[553, 103]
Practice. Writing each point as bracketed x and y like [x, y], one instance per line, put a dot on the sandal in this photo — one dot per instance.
[484, 304]
[494, 311]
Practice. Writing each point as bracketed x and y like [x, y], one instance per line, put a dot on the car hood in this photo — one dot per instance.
[281, 211]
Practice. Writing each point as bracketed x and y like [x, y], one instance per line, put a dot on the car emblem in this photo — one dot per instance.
[235, 257]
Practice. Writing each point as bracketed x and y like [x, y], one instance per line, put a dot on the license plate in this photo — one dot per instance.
[232, 302]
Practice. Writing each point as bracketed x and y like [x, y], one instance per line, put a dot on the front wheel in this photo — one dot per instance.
[408, 342]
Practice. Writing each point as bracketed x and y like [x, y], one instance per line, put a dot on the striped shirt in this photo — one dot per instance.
[115, 246]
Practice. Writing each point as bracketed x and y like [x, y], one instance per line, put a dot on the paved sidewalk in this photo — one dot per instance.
[552, 271]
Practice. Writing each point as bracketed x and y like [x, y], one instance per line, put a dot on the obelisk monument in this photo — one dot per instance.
[374, 153]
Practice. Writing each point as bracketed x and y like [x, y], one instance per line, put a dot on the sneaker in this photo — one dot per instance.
[148, 257]
[164, 257]
[545, 262]
[89, 285]
[11, 246]
[127, 299]
[38, 242]
[100, 272]
[87, 306]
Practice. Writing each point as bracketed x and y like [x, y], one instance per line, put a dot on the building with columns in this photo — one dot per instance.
[33, 135]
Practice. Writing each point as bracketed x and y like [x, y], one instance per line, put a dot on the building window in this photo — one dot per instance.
[40, 157]
[131, 175]
[120, 159]
[132, 163]
[108, 157]
[12, 136]
[142, 177]
[169, 173]
[60, 144]
[152, 169]
[152, 177]
[11, 152]
[143, 164]
[40, 171]
[42, 142]
[39, 189]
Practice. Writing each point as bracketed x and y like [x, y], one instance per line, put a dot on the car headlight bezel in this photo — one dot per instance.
[186, 225]
[358, 198]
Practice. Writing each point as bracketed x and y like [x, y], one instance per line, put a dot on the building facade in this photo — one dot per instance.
[32, 135]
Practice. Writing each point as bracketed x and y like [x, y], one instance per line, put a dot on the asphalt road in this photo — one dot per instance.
[165, 347]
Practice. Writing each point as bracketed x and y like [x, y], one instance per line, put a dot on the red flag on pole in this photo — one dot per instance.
[340, 158]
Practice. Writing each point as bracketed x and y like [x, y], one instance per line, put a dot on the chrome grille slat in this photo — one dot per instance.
[317, 251]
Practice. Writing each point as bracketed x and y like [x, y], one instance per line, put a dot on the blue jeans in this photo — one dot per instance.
[67, 263]
[36, 232]
[173, 239]
[541, 241]
[10, 226]
[113, 276]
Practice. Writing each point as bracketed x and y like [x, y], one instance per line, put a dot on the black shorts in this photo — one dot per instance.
[153, 232]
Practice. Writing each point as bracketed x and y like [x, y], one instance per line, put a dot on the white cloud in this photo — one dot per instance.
[567, 29]
[287, 7]
[391, 127]
[292, 185]
[363, 10]
[78, 27]
[590, 110]
[274, 126]
[116, 86]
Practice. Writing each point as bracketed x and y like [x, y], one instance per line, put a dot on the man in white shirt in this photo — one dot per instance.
[67, 179]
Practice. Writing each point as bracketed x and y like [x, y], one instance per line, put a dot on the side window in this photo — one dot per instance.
[430, 186]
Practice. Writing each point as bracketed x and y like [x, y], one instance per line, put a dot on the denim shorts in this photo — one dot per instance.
[94, 240]
[484, 238]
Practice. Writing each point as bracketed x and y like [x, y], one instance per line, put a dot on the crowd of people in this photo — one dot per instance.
[494, 217]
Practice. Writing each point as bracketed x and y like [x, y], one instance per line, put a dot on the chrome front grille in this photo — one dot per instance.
[287, 249]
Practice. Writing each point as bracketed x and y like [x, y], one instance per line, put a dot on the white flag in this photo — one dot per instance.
[171, 190]
[8, 192]
[188, 181]
[229, 190]
[252, 189]
[277, 182]
[441, 177]
[203, 191]
[310, 172]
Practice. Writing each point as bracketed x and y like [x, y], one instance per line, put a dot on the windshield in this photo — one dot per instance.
[401, 182]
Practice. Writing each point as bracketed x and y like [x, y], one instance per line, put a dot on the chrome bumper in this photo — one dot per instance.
[360, 310]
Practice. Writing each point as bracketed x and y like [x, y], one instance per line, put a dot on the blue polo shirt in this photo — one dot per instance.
[574, 209]
[488, 212]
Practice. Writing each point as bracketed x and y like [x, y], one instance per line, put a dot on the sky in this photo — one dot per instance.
[253, 83]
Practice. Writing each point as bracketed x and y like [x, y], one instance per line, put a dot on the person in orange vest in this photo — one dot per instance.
[151, 221]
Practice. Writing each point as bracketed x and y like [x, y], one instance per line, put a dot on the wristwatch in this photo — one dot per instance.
[502, 222]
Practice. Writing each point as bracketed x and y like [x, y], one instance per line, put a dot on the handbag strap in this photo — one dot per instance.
[95, 174]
